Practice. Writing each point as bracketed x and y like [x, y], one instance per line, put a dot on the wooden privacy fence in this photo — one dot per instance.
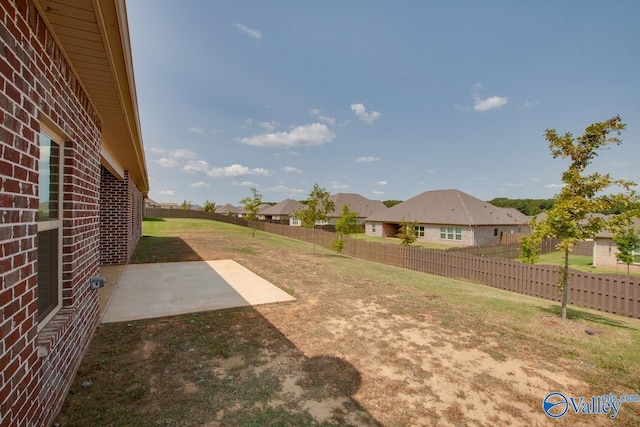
[611, 293]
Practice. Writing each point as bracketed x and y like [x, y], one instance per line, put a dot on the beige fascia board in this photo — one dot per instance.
[109, 161]
[124, 79]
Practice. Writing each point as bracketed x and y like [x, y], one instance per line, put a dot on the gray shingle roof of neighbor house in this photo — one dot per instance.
[261, 207]
[285, 207]
[226, 209]
[450, 207]
[606, 234]
[357, 203]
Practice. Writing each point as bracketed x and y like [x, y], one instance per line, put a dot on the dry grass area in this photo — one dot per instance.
[363, 344]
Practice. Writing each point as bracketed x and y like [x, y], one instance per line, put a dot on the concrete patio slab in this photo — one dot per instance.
[146, 291]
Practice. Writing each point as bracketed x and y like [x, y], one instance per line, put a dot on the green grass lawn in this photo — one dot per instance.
[396, 241]
[580, 263]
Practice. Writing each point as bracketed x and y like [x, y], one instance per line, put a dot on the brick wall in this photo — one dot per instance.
[37, 367]
[120, 218]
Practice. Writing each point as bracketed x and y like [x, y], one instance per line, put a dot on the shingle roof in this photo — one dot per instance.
[261, 208]
[357, 203]
[285, 207]
[226, 209]
[449, 207]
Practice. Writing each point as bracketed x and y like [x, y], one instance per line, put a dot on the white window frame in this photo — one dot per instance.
[52, 224]
[420, 231]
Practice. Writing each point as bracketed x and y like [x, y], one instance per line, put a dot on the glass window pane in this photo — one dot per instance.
[47, 272]
[48, 178]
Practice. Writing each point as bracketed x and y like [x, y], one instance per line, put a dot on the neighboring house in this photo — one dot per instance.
[605, 249]
[169, 205]
[362, 206]
[148, 203]
[72, 181]
[449, 217]
[282, 212]
[242, 212]
[227, 210]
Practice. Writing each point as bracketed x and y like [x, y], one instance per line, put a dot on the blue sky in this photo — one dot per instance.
[382, 98]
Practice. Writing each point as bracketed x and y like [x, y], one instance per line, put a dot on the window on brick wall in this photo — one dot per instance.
[49, 226]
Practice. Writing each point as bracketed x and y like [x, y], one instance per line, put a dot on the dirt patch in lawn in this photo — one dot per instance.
[351, 350]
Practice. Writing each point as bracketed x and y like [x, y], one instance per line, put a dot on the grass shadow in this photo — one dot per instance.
[580, 315]
[154, 219]
[153, 249]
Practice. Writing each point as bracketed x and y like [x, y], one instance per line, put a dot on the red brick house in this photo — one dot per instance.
[72, 182]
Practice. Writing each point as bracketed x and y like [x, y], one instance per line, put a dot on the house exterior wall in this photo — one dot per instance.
[120, 218]
[37, 364]
[373, 229]
[470, 236]
[604, 256]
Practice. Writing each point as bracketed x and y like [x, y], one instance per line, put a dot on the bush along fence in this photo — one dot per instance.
[611, 293]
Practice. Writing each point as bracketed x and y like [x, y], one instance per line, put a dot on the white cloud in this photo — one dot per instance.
[184, 154]
[361, 113]
[248, 122]
[367, 159]
[270, 126]
[379, 193]
[314, 134]
[459, 107]
[535, 179]
[251, 32]
[554, 186]
[509, 184]
[337, 185]
[199, 184]
[382, 183]
[478, 178]
[489, 103]
[529, 104]
[237, 170]
[167, 192]
[158, 150]
[196, 166]
[244, 184]
[197, 130]
[317, 113]
[167, 163]
[291, 169]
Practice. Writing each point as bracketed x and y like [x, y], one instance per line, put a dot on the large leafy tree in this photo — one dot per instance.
[317, 209]
[570, 219]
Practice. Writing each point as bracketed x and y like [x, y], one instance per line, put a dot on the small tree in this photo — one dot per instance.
[209, 206]
[185, 205]
[317, 209]
[346, 224]
[570, 219]
[407, 232]
[251, 204]
[626, 237]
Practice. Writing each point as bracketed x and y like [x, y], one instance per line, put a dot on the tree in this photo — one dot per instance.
[251, 204]
[346, 224]
[570, 219]
[317, 209]
[407, 233]
[626, 237]
[209, 206]
[185, 205]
